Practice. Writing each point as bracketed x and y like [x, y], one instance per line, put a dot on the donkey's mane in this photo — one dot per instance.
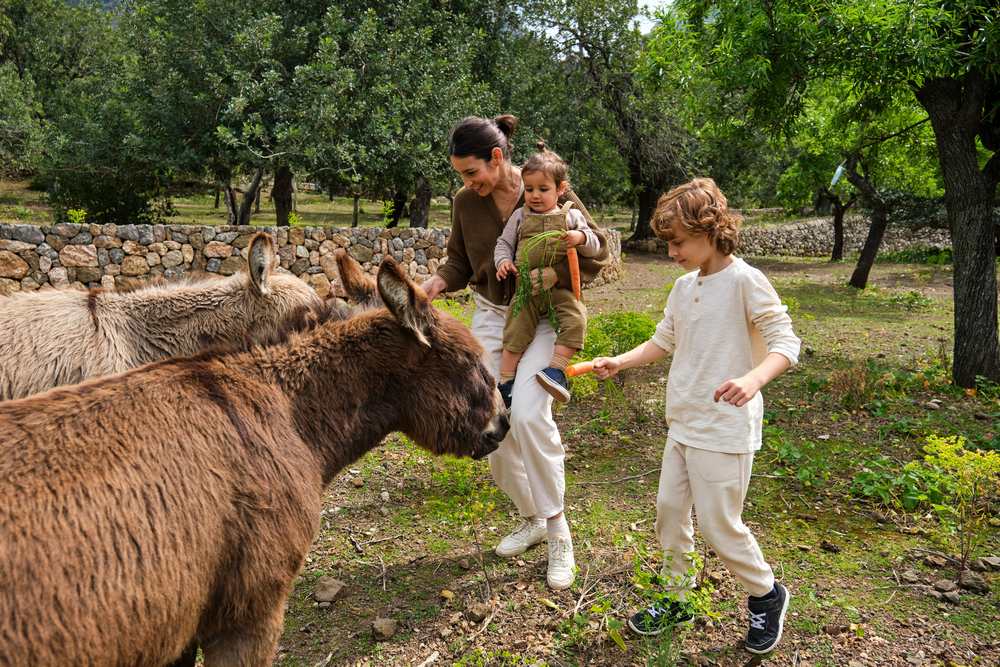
[302, 320]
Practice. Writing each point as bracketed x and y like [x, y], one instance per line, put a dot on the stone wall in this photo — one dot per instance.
[124, 256]
[814, 238]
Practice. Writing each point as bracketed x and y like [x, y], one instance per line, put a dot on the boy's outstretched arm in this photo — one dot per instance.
[647, 353]
[740, 390]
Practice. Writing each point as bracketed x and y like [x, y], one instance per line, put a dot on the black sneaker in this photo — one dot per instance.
[767, 619]
[554, 381]
[505, 390]
[660, 616]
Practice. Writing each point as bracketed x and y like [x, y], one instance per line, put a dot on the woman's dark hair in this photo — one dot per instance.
[479, 136]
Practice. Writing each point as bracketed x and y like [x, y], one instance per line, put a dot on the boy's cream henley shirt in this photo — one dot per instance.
[719, 327]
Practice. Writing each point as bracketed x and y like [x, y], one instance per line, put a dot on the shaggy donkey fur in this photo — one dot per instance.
[179, 500]
[63, 337]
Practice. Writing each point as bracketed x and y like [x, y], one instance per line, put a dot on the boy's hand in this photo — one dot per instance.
[738, 391]
[506, 268]
[606, 367]
[573, 238]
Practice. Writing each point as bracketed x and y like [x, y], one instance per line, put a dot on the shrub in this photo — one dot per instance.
[972, 491]
[609, 335]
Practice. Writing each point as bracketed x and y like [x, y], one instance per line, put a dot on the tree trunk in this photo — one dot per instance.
[880, 219]
[232, 205]
[827, 199]
[281, 193]
[256, 201]
[218, 193]
[246, 206]
[955, 109]
[398, 204]
[354, 217]
[420, 207]
[647, 204]
[838, 232]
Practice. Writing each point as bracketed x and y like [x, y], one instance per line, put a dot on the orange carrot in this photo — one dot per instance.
[574, 271]
[579, 369]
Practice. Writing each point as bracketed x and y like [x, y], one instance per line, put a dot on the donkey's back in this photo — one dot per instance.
[63, 337]
[49, 340]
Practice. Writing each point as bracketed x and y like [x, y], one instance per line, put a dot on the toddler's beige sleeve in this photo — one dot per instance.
[507, 242]
[592, 245]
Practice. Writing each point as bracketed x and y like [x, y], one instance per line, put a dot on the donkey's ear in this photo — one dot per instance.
[407, 302]
[261, 260]
[358, 285]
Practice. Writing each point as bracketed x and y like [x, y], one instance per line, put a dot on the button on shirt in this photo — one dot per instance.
[719, 327]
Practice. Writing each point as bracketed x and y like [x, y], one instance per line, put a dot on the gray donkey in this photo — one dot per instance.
[54, 338]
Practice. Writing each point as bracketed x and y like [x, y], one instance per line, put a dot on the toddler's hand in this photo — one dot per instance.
[543, 279]
[606, 367]
[506, 268]
[574, 237]
[738, 391]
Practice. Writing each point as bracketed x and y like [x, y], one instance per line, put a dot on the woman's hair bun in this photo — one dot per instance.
[507, 124]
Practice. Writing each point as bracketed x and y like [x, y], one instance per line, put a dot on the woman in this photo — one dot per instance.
[529, 465]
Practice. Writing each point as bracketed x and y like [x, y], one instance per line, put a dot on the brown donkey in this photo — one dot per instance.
[179, 500]
[63, 337]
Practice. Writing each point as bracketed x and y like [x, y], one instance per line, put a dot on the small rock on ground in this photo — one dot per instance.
[327, 589]
[973, 581]
[945, 585]
[384, 628]
[477, 612]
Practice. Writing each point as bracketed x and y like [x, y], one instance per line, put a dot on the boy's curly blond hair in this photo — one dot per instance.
[699, 208]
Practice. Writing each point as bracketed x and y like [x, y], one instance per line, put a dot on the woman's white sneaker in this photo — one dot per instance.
[528, 534]
[562, 565]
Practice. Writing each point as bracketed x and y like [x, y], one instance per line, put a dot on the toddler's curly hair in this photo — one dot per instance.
[699, 208]
[548, 163]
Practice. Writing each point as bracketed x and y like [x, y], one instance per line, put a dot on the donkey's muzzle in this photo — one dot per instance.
[493, 436]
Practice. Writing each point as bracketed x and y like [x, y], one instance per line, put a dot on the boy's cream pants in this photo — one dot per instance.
[715, 483]
[528, 465]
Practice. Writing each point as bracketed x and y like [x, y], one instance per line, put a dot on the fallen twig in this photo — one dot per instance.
[623, 479]
[382, 563]
[382, 539]
[479, 557]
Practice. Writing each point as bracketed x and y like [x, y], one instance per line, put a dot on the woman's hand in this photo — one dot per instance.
[543, 279]
[573, 238]
[606, 367]
[434, 286]
[506, 268]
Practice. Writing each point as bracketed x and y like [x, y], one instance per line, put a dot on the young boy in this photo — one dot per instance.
[730, 335]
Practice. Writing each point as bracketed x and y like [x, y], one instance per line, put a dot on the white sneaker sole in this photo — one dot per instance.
[559, 585]
[554, 388]
[781, 628]
[518, 552]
